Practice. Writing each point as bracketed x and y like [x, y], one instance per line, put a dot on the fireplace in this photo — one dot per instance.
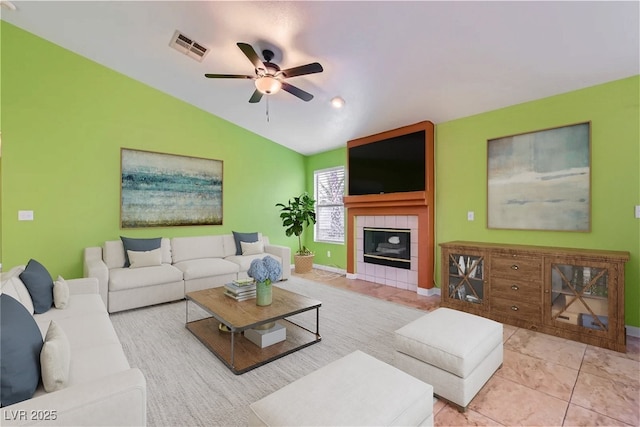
[387, 246]
[412, 210]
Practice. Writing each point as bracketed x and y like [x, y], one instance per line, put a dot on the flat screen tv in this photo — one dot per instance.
[392, 165]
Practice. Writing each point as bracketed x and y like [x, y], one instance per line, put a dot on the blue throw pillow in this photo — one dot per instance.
[20, 346]
[39, 284]
[243, 237]
[139, 245]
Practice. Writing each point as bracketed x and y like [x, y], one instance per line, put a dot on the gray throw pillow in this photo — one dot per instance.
[39, 284]
[139, 245]
[243, 237]
[20, 346]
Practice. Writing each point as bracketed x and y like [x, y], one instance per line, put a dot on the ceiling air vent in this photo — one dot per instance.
[188, 46]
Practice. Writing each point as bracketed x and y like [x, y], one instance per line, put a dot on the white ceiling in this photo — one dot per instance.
[395, 63]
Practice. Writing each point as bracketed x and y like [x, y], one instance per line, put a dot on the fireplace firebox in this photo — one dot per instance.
[388, 246]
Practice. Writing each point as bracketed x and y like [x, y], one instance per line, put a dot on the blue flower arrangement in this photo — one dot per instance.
[266, 269]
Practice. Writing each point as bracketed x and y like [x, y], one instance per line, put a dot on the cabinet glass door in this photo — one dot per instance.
[466, 278]
[580, 296]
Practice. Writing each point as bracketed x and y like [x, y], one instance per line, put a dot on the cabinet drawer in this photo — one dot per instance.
[517, 290]
[516, 267]
[516, 309]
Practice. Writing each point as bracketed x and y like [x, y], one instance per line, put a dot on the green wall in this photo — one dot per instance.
[613, 109]
[64, 120]
[338, 258]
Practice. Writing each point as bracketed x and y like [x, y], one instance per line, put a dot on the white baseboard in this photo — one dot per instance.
[331, 269]
[633, 331]
[429, 292]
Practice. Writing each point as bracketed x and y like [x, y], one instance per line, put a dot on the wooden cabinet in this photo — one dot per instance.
[571, 293]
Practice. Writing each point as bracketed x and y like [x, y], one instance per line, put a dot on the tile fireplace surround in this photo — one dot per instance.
[390, 276]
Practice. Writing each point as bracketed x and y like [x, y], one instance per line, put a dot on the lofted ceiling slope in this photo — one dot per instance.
[395, 63]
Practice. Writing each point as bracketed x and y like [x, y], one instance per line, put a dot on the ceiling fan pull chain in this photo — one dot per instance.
[267, 109]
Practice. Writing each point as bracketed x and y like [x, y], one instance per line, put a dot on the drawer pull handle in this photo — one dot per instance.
[514, 308]
[514, 267]
[514, 287]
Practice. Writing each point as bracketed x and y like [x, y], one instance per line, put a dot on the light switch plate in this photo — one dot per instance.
[25, 215]
[637, 211]
[470, 216]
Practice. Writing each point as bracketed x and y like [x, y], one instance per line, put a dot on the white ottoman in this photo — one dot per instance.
[454, 351]
[355, 390]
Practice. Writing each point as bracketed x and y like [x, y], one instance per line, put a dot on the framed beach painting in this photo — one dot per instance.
[540, 180]
[164, 190]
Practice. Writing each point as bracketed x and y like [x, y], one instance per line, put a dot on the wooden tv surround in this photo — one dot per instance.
[576, 294]
[418, 203]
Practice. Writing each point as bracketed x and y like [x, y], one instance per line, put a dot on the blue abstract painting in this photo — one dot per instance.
[163, 190]
[540, 180]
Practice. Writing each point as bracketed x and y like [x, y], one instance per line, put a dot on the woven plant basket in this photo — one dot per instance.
[303, 263]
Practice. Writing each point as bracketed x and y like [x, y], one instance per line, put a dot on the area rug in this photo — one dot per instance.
[188, 386]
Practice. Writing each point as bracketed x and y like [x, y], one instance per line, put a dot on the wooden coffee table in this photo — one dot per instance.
[231, 347]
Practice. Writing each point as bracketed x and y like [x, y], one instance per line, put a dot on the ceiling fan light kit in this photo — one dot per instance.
[269, 78]
[268, 85]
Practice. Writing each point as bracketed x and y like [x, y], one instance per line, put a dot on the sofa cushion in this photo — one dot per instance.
[197, 247]
[129, 278]
[138, 245]
[16, 289]
[60, 293]
[20, 346]
[243, 237]
[91, 363]
[198, 268]
[40, 285]
[54, 359]
[253, 248]
[79, 305]
[145, 258]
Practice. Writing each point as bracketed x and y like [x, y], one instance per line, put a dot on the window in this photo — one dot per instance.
[328, 192]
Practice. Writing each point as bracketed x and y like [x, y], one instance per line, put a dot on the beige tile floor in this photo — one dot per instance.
[544, 380]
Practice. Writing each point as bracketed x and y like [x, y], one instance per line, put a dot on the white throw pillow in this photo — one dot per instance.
[253, 248]
[18, 291]
[145, 259]
[60, 293]
[55, 359]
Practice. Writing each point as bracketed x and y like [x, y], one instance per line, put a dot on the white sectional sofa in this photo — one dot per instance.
[187, 264]
[102, 388]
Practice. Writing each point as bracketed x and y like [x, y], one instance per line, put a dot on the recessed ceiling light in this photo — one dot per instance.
[337, 102]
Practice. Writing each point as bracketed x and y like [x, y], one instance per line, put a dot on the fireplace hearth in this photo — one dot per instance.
[387, 246]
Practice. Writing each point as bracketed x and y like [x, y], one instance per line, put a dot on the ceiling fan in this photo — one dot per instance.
[269, 78]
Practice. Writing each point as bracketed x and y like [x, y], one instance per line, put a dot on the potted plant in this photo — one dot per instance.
[295, 215]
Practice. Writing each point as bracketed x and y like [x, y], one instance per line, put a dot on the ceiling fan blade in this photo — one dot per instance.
[251, 54]
[228, 76]
[256, 97]
[305, 96]
[302, 70]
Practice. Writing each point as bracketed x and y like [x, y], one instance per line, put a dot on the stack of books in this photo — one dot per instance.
[240, 290]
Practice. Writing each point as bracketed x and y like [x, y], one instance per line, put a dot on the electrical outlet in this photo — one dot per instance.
[470, 216]
[328, 254]
[25, 215]
[637, 211]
